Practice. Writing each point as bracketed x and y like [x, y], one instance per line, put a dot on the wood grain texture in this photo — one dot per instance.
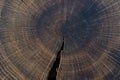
[32, 32]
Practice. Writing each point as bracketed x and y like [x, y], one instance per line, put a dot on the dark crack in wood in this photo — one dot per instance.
[53, 72]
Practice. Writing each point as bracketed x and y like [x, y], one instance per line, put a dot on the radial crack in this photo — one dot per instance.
[53, 72]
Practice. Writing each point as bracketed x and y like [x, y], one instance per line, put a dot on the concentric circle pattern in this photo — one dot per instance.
[33, 31]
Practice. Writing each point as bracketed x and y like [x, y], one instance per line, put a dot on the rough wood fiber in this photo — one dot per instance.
[32, 33]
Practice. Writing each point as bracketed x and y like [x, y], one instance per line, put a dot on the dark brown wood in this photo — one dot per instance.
[32, 31]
